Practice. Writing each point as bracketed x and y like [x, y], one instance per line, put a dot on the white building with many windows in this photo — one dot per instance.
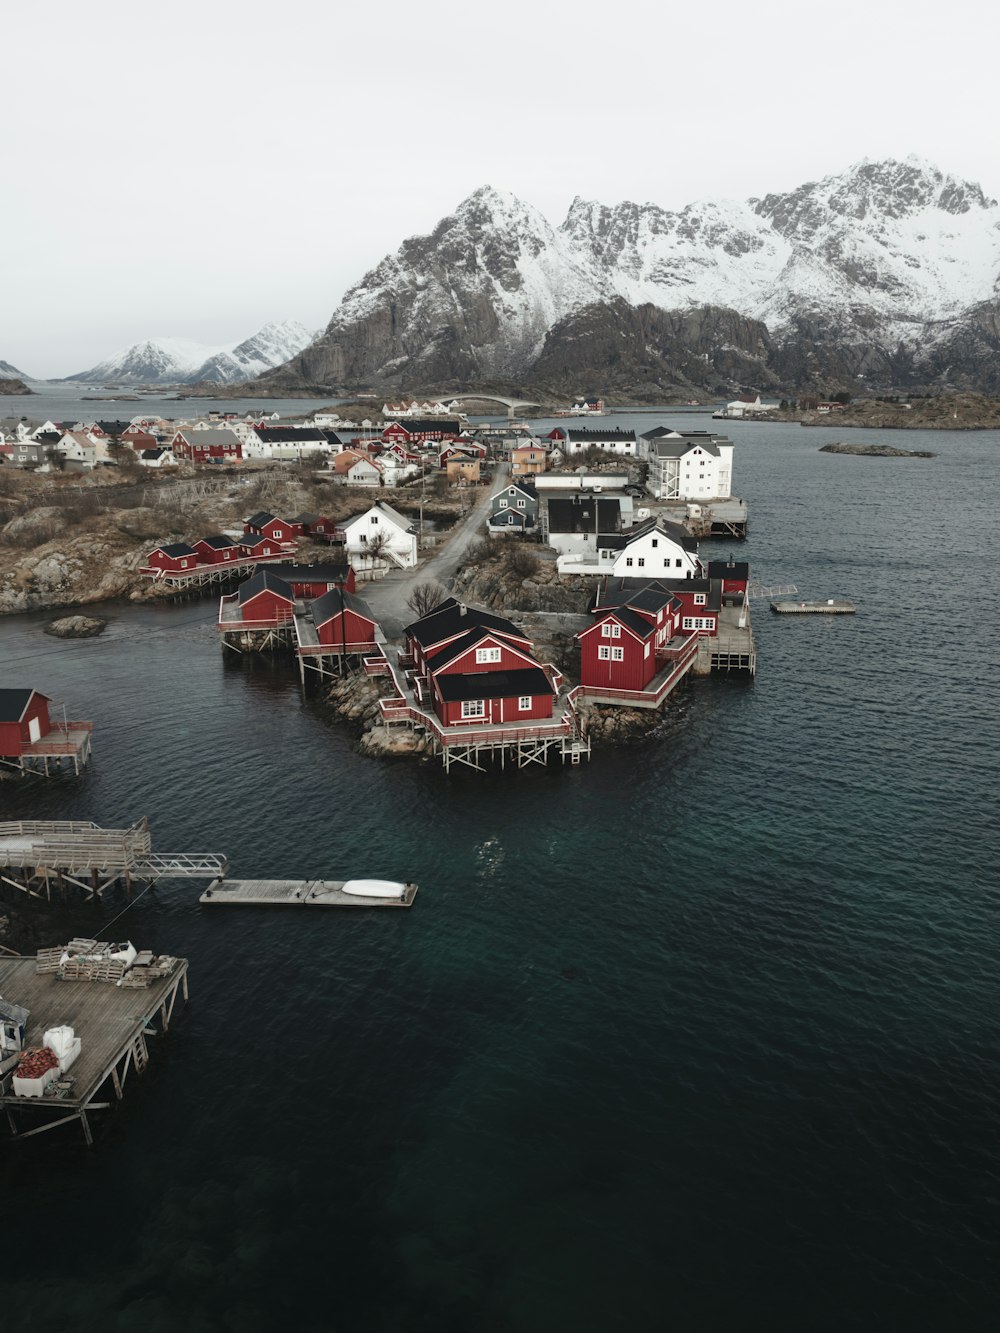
[694, 466]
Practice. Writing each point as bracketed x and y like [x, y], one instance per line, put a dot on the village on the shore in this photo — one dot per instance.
[614, 511]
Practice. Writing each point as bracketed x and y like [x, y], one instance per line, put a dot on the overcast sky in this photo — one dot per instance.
[198, 168]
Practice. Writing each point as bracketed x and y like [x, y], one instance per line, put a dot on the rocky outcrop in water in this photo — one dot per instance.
[76, 627]
[875, 451]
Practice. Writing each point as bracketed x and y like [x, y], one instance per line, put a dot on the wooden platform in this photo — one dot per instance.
[111, 1021]
[833, 607]
[294, 893]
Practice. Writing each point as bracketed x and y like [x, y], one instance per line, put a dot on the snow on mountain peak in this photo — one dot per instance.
[172, 360]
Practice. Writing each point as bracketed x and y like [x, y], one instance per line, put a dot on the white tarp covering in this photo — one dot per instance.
[375, 888]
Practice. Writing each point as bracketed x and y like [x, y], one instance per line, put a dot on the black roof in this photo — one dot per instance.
[449, 619]
[616, 586]
[641, 628]
[584, 436]
[333, 602]
[113, 427]
[291, 435]
[304, 519]
[177, 549]
[253, 539]
[330, 571]
[264, 579]
[651, 599]
[13, 703]
[728, 569]
[151, 453]
[493, 684]
[219, 542]
[260, 518]
[676, 532]
[577, 514]
[332, 437]
[460, 646]
[656, 432]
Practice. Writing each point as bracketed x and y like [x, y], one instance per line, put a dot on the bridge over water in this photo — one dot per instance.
[514, 406]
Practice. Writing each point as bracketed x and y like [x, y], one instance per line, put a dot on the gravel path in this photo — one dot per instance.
[387, 597]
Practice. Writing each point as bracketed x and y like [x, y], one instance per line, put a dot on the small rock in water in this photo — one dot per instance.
[76, 627]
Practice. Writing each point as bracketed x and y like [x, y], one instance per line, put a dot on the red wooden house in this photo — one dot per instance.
[314, 580]
[255, 546]
[174, 558]
[217, 550]
[207, 446]
[449, 621]
[316, 526]
[263, 602]
[734, 575]
[699, 600]
[264, 524]
[482, 677]
[477, 667]
[343, 623]
[24, 719]
[417, 430]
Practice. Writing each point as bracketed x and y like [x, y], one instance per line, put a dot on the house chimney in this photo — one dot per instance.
[462, 608]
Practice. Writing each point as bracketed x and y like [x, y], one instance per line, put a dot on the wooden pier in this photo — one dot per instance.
[833, 607]
[59, 859]
[295, 893]
[113, 1023]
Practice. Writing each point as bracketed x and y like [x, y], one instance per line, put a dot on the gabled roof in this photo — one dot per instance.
[493, 684]
[728, 569]
[209, 436]
[665, 527]
[657, 433]
[254, 539]
[449, 619]
[14, 704]
[176, 549]
[265, 580]
[402, 523]
[473, 639]
[425, 424]
[219, 542]
[260, 518]
[153, 453]
[651, 599]
[333, 602]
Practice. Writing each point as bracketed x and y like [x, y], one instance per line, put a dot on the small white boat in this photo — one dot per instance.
[373, 888]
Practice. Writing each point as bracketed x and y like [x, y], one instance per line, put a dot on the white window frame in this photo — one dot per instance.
[611, 630]
[604, 652]
[488, 655]
[699, 599]
[524, 703]
[472, 709]
[618, 654]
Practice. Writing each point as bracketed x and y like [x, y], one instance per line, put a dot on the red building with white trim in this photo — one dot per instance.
[174, 558]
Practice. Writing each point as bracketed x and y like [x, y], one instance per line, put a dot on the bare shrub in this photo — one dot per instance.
[34, 528]
[425, 597]
[519, 560]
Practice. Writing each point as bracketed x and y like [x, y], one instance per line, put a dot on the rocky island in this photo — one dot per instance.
[876, 451]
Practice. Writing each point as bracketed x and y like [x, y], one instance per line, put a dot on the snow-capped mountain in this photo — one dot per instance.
[180, 361]
[271, 346]
[9, 372]
[889, 270]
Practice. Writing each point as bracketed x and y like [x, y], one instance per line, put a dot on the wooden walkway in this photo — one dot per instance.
[833, 607]
[294, 893]
[112, 1022]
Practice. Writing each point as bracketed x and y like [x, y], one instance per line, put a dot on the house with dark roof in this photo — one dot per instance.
[265, 524]
[172, 558]
[514, 510]
[314, 580]
[24, 719]
[573, 440]
[700, 600]
[483, 677]
[216, 550]
[261, 603]
[416, 430]
[448, 622]
[344, 623]
[211, 445]
[258, 546]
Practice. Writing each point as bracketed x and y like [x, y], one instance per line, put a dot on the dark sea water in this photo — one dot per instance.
[701, 1036]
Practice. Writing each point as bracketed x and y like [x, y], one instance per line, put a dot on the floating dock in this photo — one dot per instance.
[295, 893]
[113, 1023]
[833, 607]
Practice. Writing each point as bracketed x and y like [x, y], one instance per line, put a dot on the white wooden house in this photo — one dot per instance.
[694, 466]
[380, 527]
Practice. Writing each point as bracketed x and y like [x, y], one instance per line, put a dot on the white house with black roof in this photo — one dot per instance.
[572, 441]
[653, 548]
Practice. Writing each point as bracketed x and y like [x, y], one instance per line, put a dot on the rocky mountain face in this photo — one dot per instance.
[9, 372]
[888, 274]
[179, 361]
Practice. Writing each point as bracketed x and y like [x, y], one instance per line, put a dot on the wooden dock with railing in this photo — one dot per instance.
[295, 893]
[58, 859]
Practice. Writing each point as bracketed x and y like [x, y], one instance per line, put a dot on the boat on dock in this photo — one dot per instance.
[308, 893]
[833, 606]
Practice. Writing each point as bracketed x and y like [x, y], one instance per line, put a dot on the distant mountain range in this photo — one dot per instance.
[9, 372]
[177, 361]
[885, 275]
